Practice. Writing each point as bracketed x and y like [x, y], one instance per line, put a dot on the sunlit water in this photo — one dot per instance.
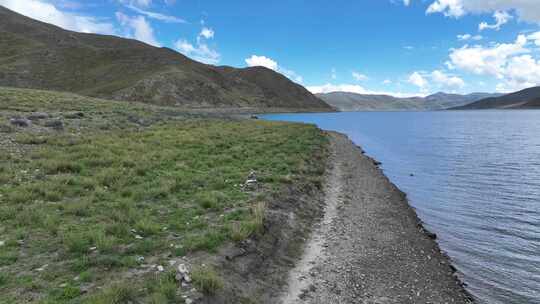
[476, 184]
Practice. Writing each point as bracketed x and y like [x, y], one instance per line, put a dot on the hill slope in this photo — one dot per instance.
[42, 56]
[345, 101]
[524, 99]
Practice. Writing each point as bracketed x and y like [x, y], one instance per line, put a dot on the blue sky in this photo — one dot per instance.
[399, 47]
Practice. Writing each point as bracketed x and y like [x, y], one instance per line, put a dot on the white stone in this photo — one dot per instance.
[2, 243]
[138, 237]
[160, 268]
[182, 268]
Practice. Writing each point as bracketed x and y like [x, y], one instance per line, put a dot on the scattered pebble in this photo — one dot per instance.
[37, 116]
[42, 268]
[20, 122]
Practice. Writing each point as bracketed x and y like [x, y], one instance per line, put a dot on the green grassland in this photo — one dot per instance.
[81, 207]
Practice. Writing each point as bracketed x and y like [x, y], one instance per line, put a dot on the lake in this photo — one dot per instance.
[476, 183]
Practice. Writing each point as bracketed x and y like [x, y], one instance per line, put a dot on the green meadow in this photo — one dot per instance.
[84, 210]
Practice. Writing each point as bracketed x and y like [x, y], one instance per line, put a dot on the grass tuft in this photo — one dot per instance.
[206, 279]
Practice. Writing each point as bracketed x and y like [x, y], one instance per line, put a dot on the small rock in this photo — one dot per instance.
[38, 115]
[188, 301]
[63, 285]
[138, 237]
[182, 268]
[140, 259]
[54, 124]
[431, 235]
[251, 181]
[74, 115]
[42, 268]
[20, 122]
[93, 248]
[160, 268]
[187, 278]
[2, 243]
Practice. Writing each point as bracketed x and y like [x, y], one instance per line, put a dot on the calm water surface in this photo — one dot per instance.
[476, 184]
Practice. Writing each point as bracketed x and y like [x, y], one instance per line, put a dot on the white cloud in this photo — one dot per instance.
[353, 88]
[450, 8]
[501, 18]
[487, 60]
[527, 10]
[418, 80]
[137, 27]
[406, 2]
[201, 52]
[263, 61]
[269, 63]
[521, 72]
[409, 47]
[513, 64]
[535, 37]
[143, 2]
[359, 77]
[446, 81]
[466, 37]
[333, 74]
[207, 33]
[437, 79]
[139, 3]
[44, 11]
[387, 81]
[157, 16]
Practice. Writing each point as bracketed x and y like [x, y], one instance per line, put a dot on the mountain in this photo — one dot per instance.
[37, 55]
[344, 101]
[525, 99]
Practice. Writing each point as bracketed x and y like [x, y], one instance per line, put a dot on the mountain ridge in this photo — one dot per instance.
[346, 101]
[38, 55]
[525, 99]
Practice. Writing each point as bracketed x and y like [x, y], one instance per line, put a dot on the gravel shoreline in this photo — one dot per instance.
[370, 246]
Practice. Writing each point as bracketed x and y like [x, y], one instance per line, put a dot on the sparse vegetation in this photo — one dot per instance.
[206, 278]
[88, 201]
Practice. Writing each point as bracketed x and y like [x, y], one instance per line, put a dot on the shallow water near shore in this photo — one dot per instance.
[474, 179]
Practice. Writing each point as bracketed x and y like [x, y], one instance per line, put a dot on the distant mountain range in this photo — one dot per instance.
[38, 55]
[525, 99]
[344, 101]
